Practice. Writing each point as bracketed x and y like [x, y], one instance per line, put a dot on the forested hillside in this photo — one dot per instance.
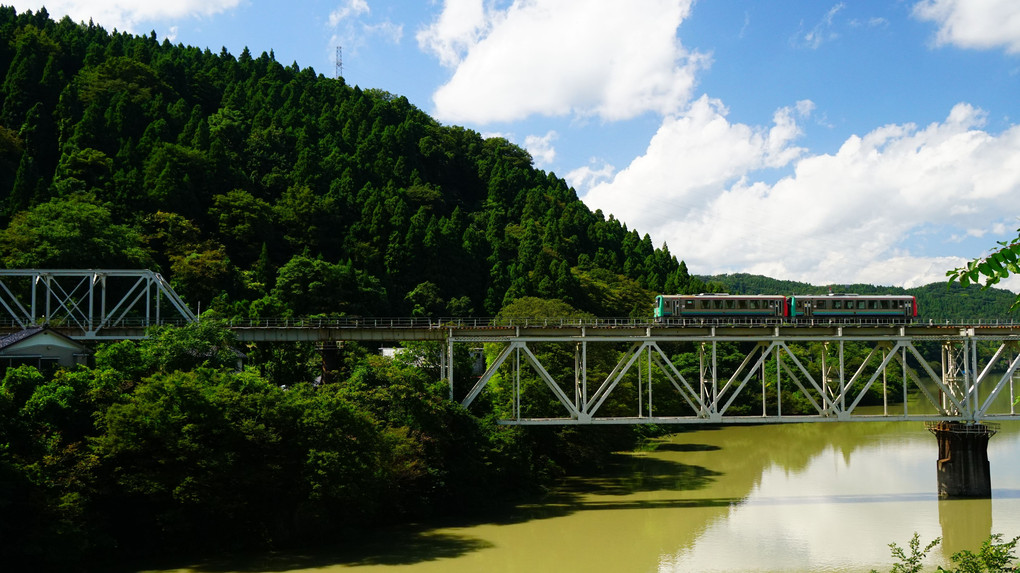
[937, 301]
[265, 189]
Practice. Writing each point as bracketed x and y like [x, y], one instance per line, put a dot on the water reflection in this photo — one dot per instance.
[800, 497]
[965, 523]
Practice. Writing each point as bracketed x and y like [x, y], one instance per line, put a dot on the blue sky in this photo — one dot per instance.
[829, 142]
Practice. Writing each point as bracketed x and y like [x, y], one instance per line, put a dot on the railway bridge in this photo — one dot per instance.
[963, 374]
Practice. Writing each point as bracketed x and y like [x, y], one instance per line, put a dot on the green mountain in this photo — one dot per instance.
[264, 189]
[935, 301]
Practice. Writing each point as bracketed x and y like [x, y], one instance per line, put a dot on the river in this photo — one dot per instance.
[796, 497]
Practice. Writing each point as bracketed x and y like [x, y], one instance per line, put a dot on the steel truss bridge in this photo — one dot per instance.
[975, 381]
[90, 304]
[972, 380]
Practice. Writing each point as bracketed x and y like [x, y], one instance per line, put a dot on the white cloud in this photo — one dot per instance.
[822, 31]
[126, 15]
[348, 9]
[388, 30]
[836, 219]
[561, 57]
[541, 148]
[460, 26]
[590, 175]
[970, 24]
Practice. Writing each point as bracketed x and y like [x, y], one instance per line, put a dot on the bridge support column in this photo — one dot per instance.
[963, 469]
[330, 353]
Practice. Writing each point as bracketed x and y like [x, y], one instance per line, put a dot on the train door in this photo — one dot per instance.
[802, 307]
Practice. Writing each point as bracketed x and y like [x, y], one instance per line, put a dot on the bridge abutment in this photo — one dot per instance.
[963, 469]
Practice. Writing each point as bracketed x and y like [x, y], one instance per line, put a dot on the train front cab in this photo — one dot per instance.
[664, 307]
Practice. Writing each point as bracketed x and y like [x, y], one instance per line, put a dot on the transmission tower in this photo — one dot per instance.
[339, 63]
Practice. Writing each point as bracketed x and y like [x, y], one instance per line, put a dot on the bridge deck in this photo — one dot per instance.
[401, 329]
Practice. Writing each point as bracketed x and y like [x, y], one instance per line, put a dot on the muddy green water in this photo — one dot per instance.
[799, 497]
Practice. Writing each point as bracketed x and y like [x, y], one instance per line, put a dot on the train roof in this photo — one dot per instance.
[812, 296]
[722, 295]
[851, 294]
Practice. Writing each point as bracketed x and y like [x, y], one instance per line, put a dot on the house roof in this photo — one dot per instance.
[22, 335]
[14, 338]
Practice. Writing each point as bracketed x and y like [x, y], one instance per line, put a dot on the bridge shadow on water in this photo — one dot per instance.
[612, 488]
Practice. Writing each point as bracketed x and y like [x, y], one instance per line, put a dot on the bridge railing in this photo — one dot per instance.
[11, 324]
[570, 322]
[8, 324]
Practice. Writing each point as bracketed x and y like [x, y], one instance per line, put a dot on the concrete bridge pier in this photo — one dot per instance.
[330, 352]
[962, 466]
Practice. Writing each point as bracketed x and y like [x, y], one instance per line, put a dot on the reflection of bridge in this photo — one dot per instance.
[972, 380]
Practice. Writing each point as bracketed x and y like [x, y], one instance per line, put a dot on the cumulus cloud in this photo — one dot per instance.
[835, 219]
[588, 176]
[460, 25]
[581, 58]
[126, 15]
[541, 148]
[968, 24]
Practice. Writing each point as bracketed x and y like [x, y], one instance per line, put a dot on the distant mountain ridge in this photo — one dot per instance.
[934, 301]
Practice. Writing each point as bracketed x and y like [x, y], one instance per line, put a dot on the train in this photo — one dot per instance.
[846, 307]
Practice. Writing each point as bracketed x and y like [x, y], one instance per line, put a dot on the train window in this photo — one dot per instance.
[848, 304]
[885, 304]
[755, 304]
[872, 304]
[717, 304]
[837, 304]
[689, 303]
[742, 304]
[820, 304]
[729, 304]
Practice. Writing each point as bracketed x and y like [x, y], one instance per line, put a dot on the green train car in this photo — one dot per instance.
[842, 306]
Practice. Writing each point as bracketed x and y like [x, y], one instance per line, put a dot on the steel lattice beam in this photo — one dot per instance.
[90, 303]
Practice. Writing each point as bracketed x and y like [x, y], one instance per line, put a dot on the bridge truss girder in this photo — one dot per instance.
[89, 303]
[971, 380]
